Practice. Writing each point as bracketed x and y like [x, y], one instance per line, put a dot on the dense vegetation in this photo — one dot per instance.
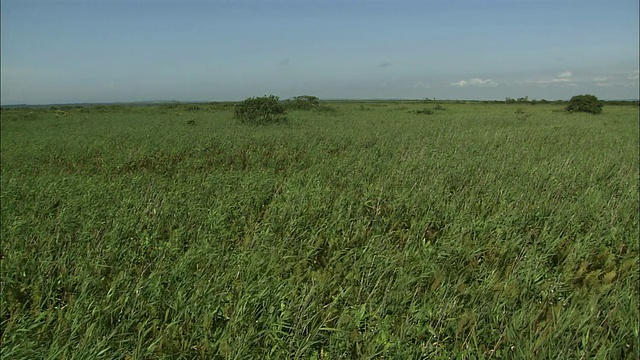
[177, 232]
[260, 110]
[585, 103]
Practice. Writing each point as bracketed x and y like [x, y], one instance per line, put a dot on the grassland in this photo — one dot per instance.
[480, 231]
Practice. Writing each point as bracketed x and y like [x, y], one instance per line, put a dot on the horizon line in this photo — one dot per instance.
[232, 101]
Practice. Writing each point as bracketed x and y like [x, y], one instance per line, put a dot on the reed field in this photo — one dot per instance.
[367, 230]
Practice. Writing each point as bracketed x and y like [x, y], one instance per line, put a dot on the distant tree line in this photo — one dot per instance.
[525, 101]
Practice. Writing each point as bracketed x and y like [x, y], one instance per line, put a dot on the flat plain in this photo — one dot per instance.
[368, 230]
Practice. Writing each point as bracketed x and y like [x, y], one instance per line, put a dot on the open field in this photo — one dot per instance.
[480, 231]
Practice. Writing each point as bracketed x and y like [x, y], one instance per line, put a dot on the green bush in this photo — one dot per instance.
[189, 107]
[423, 112]
[260, 110]
[585, 103]
[303, 102]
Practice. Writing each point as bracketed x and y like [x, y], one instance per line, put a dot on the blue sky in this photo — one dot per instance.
[64, 51]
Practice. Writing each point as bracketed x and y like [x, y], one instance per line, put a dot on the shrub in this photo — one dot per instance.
[303, 102]
[423, 112]
[190, 107]
[585, 103]
[260, 110]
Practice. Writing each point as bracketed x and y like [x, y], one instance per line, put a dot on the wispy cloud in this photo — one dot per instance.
[475, 82]
[601, 81]
[634, 75]
[551, 81]
[564, 78]
[417, 85]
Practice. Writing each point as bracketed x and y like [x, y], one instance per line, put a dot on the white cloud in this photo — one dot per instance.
[475, 82]
[601, 81]
[544, 82]
[565, 75]
[634, 75]
[480, 82]
[561, 79]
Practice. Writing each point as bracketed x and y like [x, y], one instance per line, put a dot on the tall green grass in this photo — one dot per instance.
[375, 230]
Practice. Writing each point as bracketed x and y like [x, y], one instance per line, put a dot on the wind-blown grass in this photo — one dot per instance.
[361, 232]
